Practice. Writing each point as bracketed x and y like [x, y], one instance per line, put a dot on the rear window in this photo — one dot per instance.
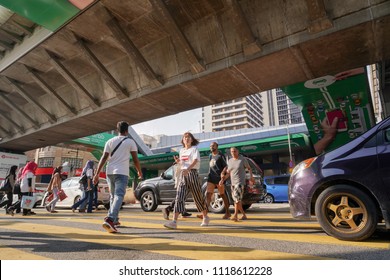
[278, 180]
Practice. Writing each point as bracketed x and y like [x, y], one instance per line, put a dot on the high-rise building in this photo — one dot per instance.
[279, 109]
[267, 108]
[244, 112]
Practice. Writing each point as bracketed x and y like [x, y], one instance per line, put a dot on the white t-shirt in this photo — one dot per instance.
[187, 157]
[24, 182]
[120, 162]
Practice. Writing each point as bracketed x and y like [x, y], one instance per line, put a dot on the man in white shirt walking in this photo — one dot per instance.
[117, 151]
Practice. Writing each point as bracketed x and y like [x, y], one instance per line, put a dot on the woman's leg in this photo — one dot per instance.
[181, 194]
[51, 206]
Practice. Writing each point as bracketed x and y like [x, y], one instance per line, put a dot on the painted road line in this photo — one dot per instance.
[235, 229]
[7, 253]
[177, 248]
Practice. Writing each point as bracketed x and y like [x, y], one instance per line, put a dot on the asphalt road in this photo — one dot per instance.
[270, 233]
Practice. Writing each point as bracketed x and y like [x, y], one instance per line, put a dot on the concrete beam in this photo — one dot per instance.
[7, 101]
[47, 88]
[121, 92]
[11, 36]
[319, 20]
[56, 63]
[121, 36]
[25, 95]
[250, 43]
[196, 65]
[10, 120]
[7, 133]
[193, 91]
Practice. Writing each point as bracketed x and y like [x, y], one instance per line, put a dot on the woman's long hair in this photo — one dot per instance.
[12, 171]
[194, 141]
[58, 169]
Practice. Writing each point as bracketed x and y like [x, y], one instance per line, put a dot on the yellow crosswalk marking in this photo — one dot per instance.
[178, 248]
[7, 253]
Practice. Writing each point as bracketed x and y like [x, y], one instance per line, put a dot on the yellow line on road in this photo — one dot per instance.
[168, 246]
[266, 230]
[7, 253]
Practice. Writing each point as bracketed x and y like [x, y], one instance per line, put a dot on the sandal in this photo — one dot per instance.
[226, 216]
[234, 219]
[244, 218]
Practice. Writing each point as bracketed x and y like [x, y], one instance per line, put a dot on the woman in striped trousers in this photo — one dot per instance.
[189, 160]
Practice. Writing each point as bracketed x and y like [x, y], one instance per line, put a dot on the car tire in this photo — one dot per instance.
[148, 201]
[346, 213]
[37, 204]
[216, 204]
[246, 206]
[76, 199]
[269, 198]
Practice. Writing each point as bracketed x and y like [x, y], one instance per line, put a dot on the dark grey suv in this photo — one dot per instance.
[161, 190]
[348, 189]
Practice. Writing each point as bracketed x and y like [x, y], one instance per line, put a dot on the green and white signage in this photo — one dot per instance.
[345, 96]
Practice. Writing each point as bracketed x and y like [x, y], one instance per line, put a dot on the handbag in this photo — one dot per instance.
[50, 197]
[61, 194]
[6, 186]
[84, 179]
[129, 197]
[17, 189]
[28, 202]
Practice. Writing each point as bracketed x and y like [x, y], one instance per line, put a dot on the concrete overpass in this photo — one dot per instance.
[144, 59]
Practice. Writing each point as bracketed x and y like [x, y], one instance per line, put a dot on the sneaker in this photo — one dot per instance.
[117, 224]
[165, 212]
[109, 225]
[206, 221]
[171, 225]
[11, 212]
[32, 213]
[48, 208]
[186, 214]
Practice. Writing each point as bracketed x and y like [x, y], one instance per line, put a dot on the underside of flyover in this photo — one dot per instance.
[144, 59]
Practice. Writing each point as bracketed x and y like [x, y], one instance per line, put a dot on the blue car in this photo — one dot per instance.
[277, 188]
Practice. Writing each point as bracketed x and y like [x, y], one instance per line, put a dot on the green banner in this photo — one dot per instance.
[50, 14]
[97, 140]
[345, 96]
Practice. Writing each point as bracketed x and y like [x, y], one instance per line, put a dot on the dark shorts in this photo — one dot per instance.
[213, 179]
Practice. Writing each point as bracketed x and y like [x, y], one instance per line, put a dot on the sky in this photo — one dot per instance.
[172, 125]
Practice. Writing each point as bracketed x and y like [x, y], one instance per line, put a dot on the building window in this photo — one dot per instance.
[73, 162]
[46, 162]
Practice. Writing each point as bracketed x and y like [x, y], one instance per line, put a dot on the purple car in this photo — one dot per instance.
[348, 189]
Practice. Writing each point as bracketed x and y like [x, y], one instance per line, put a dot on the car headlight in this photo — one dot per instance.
[303, 165]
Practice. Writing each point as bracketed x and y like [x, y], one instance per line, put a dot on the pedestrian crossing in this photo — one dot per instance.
[262, 237]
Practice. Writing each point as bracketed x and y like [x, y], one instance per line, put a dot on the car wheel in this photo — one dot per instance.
[37, 204]
[216, 204]
[246, 206]
[269, 198]
[148, 201]
[346, 213]
[76, 199]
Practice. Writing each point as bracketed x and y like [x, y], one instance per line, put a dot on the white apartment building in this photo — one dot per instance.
[244, 112]
[268, 108]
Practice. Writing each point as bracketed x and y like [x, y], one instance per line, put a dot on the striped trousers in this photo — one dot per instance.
[186, 184]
